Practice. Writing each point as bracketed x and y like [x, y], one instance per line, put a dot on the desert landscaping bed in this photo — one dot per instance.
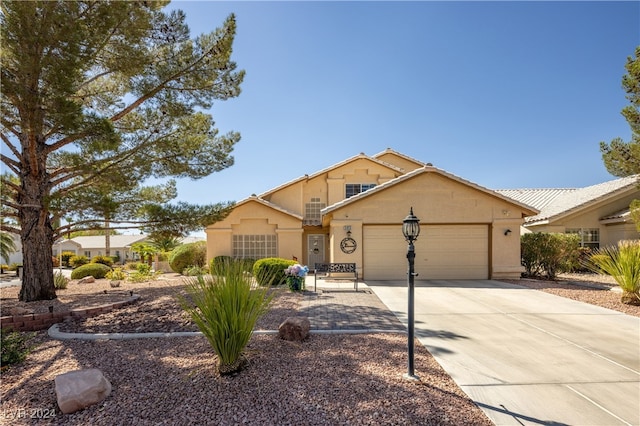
[328, 379]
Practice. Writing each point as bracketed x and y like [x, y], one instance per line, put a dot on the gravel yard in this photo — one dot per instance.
[328, 379]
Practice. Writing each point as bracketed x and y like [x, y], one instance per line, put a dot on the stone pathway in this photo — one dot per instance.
[339, 309]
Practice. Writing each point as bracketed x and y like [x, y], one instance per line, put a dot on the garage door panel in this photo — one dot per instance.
[385, 253]
[442, 252]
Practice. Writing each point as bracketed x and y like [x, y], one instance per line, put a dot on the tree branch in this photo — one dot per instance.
[7, 228]
[12, 148]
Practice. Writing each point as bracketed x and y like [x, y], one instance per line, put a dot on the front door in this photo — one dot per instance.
[315, 244]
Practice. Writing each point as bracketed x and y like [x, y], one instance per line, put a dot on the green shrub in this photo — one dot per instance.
[78, 260]
[142, 273]
[192, 271]
[270, 270]
[60, 281]
[225, 305]
[15, 346]
[623, 264]
[105, 260]
[192, 254]
[96, 270]
[132, 266]
[547, 254]
[116, 274]
[143, 268]
[66, 256]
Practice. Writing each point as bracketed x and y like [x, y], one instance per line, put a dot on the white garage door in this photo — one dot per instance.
[442, 252]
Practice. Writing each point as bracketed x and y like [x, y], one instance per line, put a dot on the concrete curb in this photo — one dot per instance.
[55, 333]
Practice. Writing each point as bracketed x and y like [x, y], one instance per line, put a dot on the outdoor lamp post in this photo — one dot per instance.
[411, 230]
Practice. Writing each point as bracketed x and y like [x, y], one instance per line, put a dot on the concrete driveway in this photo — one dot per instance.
[524, 356]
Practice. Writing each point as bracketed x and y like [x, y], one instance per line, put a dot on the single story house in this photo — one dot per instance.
[352, 212]
[95, 245]
[599, 213]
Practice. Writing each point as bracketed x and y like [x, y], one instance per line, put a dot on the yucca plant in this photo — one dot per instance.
[60, 281]
[623, 264]
[225, 305]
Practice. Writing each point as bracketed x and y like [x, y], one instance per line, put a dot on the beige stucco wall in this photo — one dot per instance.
[255, 218]
[361, 171]
[618, 232]
[436, 199]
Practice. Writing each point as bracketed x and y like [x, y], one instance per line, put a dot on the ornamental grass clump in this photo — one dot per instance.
[623, 264]
[225, 305]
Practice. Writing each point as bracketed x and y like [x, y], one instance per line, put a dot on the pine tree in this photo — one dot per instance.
[100, 94]
[623, 158]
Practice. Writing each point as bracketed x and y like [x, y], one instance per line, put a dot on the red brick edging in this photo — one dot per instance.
[42, 321]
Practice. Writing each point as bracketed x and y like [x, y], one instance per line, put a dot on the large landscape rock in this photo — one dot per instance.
[294, 328]
[87, 280]
[78, 389]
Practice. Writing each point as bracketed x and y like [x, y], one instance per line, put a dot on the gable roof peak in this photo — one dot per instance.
[327, 169]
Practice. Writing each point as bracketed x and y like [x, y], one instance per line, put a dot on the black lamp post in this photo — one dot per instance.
[411, 230]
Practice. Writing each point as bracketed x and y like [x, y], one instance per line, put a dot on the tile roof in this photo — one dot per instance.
[554, 203]
[115, 241]
[269, 204]
[538, 198]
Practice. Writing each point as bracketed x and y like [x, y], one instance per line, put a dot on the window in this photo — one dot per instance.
[352, 189]
[312, 212]
[87, 253]
[589, 237]
[254, 246]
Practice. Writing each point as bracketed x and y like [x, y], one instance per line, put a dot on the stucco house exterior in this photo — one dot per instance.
[90, 246]
[598, 213]
[353, 211]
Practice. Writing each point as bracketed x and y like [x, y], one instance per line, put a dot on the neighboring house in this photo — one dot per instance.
[120, 245]
[90, 246]
[353, 212]
[598, 213]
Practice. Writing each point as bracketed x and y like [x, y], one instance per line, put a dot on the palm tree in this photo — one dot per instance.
[7, 246]
[164, 244]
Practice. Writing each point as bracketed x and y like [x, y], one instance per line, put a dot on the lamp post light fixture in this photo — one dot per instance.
[411, 230]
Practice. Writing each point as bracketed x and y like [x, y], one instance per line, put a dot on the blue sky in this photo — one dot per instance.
[504, 94]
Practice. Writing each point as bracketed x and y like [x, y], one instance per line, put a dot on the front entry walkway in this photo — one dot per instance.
[524, 356]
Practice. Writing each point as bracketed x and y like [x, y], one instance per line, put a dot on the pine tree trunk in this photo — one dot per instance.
[107, 237]
[36, 233]
[37, 273]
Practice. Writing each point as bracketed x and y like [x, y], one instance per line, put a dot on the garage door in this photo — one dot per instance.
[442, 252]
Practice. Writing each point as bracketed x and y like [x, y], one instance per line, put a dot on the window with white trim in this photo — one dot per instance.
[352, 189]
[255, 246]
[589, 237]
[312, 209]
